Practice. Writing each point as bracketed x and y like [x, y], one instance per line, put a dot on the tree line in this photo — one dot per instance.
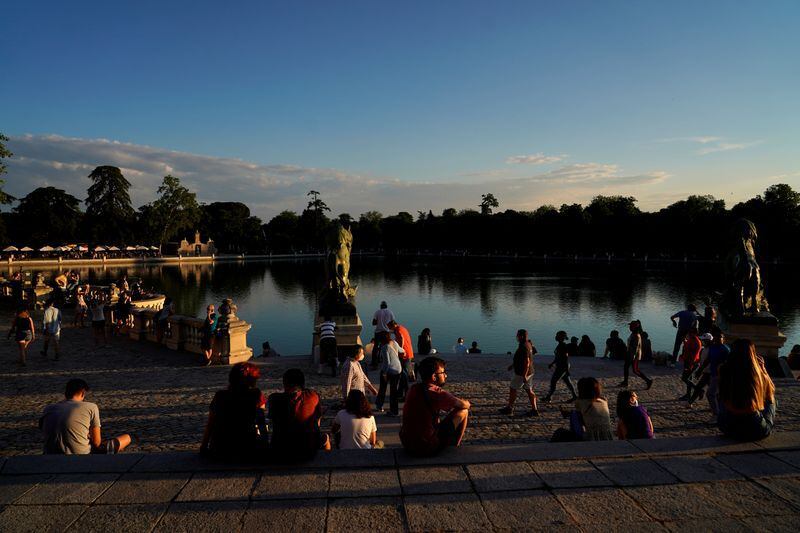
[697, 227]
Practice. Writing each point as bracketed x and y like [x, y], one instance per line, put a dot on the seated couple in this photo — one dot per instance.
[237, 425]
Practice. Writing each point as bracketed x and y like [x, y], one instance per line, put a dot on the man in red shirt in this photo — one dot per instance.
[690, 357]
[424, 432]
[295, 414]
[403, 338]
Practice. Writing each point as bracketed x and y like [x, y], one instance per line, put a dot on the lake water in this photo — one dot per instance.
[477, 299]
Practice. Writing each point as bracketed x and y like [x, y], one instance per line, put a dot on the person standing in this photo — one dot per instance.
[403, 338]
[391, 368]
[162, 322]
[561, 372]
[716, 355]
[208, 334]
[380, 320]
[686, 320]
[81, 309]
[24, 333]
[327, 345]
[51, 325]
[523, 374]
[97, 305]
[353, 376]
[690, 357]
[634, 354]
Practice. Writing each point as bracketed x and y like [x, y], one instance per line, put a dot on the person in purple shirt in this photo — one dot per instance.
[633, 422]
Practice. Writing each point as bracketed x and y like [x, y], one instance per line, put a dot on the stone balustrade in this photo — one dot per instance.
[185, 333]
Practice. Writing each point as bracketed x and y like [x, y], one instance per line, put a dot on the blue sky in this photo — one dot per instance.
[405, 105]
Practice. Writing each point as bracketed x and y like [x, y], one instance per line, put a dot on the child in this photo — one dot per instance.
[633, 422]
[523, 374]
[561, 362]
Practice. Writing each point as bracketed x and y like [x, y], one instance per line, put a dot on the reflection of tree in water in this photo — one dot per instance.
[305, 277]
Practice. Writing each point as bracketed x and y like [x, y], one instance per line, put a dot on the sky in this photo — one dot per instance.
[404, 106]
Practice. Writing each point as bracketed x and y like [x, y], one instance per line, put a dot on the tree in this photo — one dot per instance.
[315, 204]
[47, 215]
[175, 211]
[109, 214]
[4, 153]
[488, 202]
[232, 227]
[282, 232]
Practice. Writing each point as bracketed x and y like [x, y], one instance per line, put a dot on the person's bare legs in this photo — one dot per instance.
[512, 397]
[23, 352]
[532, 399]
[124, 441]
[460, 418]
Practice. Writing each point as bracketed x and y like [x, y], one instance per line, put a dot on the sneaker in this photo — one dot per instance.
[649, 384]
[506, 411]
[532, 412]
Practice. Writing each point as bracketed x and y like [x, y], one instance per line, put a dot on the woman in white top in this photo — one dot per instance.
[354, 426]
[353, 376]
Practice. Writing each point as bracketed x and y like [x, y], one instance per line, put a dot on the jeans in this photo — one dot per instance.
[712, 394]
[405, 377]
[629, 361]
[748, 427]
[563, 374]
[392, 381]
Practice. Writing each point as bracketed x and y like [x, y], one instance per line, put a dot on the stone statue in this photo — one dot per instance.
[338, 291]
[744, 294]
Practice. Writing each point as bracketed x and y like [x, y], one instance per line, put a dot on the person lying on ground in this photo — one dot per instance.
[72, 426]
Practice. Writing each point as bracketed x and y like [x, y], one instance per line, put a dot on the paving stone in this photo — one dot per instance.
[600, 506]
[64, 464]
[570, 474]
[630, 527]
[434, 480]
[291, 485]
[780, 440]
[145, 488]
[105, 518]
[171, 462]
[365, 514]
[38, 518]
[674, 502]
[526, 510]
[758, 465]
[297, 515]
[12, 487]
[787, 488]
[353, 459]
[193, 517]
[220, 486]
[791, 457]
[503, 476]
[446, 512]
[774, 524]
[69, 488]
[696, 468]
[717, 525]
[632, 472]
[693, 445]
[744, 498]
[371, 482]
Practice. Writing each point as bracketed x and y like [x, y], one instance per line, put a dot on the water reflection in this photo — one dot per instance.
[474, 299]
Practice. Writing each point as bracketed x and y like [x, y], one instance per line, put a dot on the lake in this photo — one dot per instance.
[475, 298]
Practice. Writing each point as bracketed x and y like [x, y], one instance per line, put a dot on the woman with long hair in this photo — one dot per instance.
[24, 332]
[425, 343]
[236, 424]
[591, 418]
[746, 394]
[354, 426]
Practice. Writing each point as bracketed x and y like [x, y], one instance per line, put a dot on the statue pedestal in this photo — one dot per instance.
[762, 329]
[348, 334]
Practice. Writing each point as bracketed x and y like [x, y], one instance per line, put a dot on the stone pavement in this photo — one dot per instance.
[163, 396]
[679, 484]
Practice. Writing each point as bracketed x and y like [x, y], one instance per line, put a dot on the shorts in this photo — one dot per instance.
[109, 447]
[25, 335]
[521, 382]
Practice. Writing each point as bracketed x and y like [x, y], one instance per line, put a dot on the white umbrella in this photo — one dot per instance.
[26, 249]
[99, 249]
[82, 248]
[154, 248]
[113, 249]
[46, 249]
[11, 249]
[141, 247]
[130, 248]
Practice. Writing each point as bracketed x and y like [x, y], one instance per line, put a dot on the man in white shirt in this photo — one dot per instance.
[381, 321]
[51, 325]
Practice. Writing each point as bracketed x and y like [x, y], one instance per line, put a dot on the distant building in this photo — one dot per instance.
[196, 248]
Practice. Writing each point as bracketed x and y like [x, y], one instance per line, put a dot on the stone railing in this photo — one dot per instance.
[185, 333]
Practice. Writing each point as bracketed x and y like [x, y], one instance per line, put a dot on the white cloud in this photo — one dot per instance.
[267, 189]
[712, 144]
[726, 147]
[534, 159]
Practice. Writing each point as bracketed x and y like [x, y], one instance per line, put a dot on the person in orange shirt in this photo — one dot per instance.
[690, 357]
[403, 338]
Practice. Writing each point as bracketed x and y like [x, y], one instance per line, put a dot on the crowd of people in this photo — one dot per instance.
[286, 426]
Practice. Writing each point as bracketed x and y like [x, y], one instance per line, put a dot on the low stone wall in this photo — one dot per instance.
[185, 333]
